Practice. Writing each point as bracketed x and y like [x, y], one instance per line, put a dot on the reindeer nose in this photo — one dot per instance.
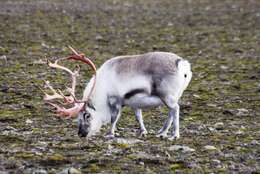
[82, 132]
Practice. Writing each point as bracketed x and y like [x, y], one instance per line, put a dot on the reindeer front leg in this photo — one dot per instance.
[115, 106]
[139, 118]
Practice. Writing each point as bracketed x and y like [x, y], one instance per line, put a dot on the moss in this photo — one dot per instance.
[93, 168]
[222, 170]
[149, 171]
[122, 146]
[175, 166]
[11, 139]
[56, 157]
[25, 155]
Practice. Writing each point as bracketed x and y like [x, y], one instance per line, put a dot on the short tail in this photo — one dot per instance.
[183, 65]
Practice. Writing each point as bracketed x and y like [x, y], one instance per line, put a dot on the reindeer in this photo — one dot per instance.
[137, 81]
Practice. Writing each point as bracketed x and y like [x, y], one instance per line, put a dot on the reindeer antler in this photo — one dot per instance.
[78, 104]
[86, 60]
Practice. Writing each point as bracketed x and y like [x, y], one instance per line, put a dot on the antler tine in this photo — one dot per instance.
[84, 59]
[47, 83]
[48, 97]
[60, 95]
[68, 113]
[74, 80]
[73, 50]
[55, 95]
[78, 105]
[56, 65]
[42, 90]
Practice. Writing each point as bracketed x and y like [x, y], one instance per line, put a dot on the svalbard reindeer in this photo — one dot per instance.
[137, 81]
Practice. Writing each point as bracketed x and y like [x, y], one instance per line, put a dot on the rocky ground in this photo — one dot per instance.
[220, 111]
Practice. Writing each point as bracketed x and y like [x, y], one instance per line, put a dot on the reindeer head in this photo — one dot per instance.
[82, 108]
[88, 122]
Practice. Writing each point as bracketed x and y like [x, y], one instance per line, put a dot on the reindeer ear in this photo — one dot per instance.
[90, 105]
[177, 62]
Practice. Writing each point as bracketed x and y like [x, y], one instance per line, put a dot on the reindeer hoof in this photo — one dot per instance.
[110, 136]
[142, 133]
[162, 135]
[174, 137]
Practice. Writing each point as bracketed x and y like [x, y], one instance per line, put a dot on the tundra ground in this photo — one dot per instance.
[220, 110]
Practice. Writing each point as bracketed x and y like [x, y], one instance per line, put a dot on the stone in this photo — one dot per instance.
[70, 170]
[239, 132]
[223, 67]
[211, 129]
[254, 142]
[219, 125]
[181, 148]
[128, 141]
[196, 96]
[209, 147]
[40, 171]
[4, 58]
[99, 38]
[242, 112]
[216, 162]
[141, 163]
[74, 171]
[28, 121]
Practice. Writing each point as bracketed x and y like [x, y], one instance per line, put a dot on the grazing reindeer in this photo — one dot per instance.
[137, 81]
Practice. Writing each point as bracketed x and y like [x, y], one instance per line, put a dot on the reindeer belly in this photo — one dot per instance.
[142, 100]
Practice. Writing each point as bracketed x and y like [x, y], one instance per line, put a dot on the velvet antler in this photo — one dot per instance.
[78, 104]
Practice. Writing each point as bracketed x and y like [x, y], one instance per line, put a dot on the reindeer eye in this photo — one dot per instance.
[86, 116]
[185, 75]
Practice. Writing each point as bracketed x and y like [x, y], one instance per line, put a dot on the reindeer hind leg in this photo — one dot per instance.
[173, 117]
